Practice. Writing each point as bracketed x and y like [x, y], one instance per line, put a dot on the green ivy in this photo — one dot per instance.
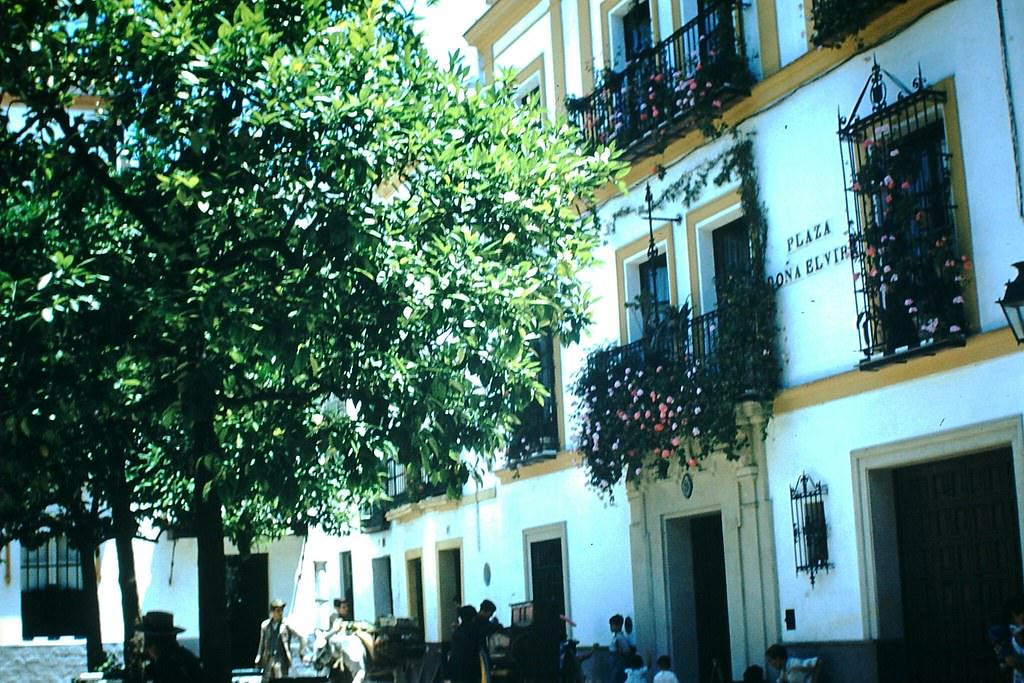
[834, 20]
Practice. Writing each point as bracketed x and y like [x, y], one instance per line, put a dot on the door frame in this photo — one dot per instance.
[548, 532]
[873, 501]
[446, 613]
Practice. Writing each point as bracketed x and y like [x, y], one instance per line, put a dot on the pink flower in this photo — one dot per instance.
[905, 185]
[870, 251]
[908, 302]
[855, 187]
[954, 328]
[675, 442]
[669, 399]
[691, 462]
[868, 143]
[659, 427]
[717, 104]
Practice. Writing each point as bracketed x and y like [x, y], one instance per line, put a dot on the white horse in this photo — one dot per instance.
[353, 653]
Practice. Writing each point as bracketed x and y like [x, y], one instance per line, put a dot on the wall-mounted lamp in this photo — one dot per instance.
[1013, 303]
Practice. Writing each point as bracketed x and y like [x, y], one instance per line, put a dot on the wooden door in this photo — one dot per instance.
[959, 552]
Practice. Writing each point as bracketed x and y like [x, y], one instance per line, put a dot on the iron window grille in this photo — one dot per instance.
[810, 529]
[52, 592]
[907, 267]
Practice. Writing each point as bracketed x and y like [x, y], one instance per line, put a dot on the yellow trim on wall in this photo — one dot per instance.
[783, 82]
[606, 40]
[693, 218]
[498, 20]
[638, 246]
[768, 37]
[559, 397]
[410, 511]
[958, 181]
[980, 348]
[563, 461]
[534, 67]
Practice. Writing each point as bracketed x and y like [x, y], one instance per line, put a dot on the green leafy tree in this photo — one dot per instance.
[324, 253]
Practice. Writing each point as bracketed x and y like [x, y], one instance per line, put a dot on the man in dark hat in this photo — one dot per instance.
[169, 662]
[274, 655]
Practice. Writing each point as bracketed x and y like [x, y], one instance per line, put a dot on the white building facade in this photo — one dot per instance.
[873, 515]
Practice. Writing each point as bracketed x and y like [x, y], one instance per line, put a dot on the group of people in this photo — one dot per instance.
[468, 658]
[628, 666]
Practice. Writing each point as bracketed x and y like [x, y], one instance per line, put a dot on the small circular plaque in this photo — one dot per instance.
[687, 485]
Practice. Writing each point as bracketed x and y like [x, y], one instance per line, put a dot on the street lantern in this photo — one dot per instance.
[1013, 303]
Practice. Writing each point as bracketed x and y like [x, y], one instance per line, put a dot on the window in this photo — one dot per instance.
[909, 256]
[345, 563]
[52, 595]
[655, 297]
[645, 284]
[530, 85]
[731, 245]
[537, 435]
[636, 30]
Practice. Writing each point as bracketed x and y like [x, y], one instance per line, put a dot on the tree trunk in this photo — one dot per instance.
[213, 633]
[124, 533]
[90, 585]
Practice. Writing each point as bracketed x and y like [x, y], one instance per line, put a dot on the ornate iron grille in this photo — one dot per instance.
[699, 69]
[695, 341]
[907, 268]
[810, 531]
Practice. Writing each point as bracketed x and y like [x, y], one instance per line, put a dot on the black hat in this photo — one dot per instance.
[158, 624]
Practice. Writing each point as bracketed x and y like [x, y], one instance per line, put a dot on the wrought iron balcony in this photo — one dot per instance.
[400, 491]
[835, 20]
[537, 436]
[682, 83]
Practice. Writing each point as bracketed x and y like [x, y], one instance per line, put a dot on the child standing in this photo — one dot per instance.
[665, 674]
[636, 672]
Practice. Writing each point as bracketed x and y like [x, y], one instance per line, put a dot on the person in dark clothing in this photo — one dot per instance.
[464, 656]
[169, 662]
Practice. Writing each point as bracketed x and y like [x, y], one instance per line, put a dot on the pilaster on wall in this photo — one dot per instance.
[755, 538]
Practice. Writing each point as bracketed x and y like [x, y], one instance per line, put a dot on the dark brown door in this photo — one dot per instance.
[711, 605]
[248, 598]
[959, 551]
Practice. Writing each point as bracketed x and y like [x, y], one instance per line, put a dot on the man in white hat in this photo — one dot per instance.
[169, 662]
[274, 655]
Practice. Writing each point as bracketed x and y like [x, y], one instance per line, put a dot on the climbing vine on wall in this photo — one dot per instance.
[672, 396]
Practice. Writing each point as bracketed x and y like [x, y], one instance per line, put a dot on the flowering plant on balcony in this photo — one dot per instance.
[834, 20]
[657, 403]
[911, 267]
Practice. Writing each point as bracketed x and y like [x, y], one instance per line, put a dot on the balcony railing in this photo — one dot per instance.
[537, 436]
[694, 341]
[374, 518]
[835, 20]
[682, 83]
